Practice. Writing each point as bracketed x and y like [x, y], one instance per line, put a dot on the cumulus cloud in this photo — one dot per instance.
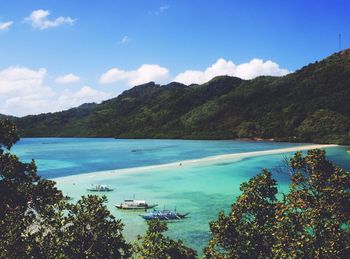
[67, 79]
[19, 80]
[23, 91]
[5, 25]
[86, 94]
[252, 69]
[39, 20]
[124, 40]
[146, 73]
[143, 74]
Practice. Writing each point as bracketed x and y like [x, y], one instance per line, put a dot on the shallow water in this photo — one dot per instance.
[57, 157]
[200, 188]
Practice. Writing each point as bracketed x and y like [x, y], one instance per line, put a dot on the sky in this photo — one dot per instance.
[59, 54]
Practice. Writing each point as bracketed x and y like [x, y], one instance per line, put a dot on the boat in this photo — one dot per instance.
[67, 198]
[100, 188]
[135, 205]
[164, 215]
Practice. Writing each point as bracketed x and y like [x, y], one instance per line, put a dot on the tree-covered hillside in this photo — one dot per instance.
[309, 105]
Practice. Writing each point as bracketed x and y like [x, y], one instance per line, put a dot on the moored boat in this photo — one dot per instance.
[100, 188]
[165, 215]
[67, 198]
[135, 205]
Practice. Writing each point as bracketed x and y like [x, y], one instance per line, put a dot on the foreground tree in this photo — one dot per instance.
[23, 194]
[247, 231]
[156, 246]
[35, 221]
[83, 230]
[312, 220]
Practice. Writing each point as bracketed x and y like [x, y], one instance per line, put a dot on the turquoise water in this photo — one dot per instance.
[57, 157]
[203, 187]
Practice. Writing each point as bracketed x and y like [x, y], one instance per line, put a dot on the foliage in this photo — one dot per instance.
[22, 194]
[312, 220]
[247, 232]
[322, 125]
[8, 134]
[35, 221]
[83, 230]
[157, 246]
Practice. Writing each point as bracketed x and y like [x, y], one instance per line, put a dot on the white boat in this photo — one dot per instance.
[135, 205]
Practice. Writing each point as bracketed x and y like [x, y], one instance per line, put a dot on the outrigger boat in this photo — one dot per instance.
[135, 205]
[164, 215]
[100, 188]
[67, 198]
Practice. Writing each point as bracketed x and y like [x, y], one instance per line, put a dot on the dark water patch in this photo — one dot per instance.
[224, 164]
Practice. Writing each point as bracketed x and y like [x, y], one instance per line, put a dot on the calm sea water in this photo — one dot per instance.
[202, 189]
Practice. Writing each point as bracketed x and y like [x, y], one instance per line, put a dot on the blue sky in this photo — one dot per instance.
[61, 53]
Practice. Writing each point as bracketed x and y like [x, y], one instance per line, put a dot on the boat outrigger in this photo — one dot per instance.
[135, 205]
[100, 188]
[164, 215]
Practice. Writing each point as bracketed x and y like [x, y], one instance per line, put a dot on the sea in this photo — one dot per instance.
[198, 176]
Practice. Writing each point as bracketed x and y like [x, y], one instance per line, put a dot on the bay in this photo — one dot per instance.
[200, 185]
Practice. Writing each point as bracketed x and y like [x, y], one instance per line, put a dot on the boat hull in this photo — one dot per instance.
[95, 190]
[171, 216]
[121, 207]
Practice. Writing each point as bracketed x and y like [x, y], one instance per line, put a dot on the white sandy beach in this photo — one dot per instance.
[193, 162]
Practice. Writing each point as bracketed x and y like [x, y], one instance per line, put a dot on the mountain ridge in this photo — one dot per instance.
[309, 105]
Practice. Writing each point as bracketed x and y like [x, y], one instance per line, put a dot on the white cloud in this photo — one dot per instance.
[39, 20]
[143, 74]
[164, 8]
[67, 79]
[23, 91]
[5, 25]
[160, 10]
[19, 80]
[252, 69]
[125, 40]
[147, 73]
[257, 67]
[86, 94]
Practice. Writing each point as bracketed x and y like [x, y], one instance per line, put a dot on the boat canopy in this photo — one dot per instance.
[140, 201]
[134, 201]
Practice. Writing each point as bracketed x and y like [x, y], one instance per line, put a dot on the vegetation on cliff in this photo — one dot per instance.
[309, 105]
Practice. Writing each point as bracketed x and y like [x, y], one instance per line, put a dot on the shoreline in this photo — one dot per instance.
[191, 162]
[251, 139]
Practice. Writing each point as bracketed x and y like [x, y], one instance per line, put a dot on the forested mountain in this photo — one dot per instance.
[309, 105]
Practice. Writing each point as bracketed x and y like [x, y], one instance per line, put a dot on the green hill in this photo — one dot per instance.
[309, 105]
